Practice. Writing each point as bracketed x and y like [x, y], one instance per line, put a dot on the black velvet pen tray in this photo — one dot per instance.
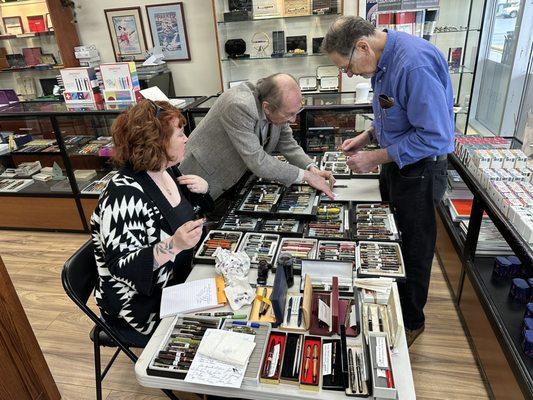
[272, 200]
[242, 223]
[290, 371]
[282, 226]
[333, 356]
[391, 224]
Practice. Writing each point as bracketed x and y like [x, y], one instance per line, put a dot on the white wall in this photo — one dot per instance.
[199, 76]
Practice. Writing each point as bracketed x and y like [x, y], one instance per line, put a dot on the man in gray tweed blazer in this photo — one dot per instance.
[245, 125]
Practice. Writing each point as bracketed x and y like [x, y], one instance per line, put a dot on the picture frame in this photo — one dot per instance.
[49, 24]
[168, 30]
[13, 25]
[126, 29]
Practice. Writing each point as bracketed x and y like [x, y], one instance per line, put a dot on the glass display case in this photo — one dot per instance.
[256, 39]
[61, 163]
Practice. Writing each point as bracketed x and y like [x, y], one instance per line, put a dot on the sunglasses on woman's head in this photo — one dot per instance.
[158, 109]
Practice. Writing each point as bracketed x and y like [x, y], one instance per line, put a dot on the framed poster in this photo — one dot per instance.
[13, 25]
[127, 33]
[168, 30]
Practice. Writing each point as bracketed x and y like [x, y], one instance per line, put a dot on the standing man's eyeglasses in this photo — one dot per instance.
[344, 70]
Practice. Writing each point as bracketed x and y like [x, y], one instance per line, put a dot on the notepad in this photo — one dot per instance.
[191, 297]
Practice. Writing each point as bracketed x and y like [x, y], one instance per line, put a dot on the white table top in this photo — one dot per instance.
[357, 190]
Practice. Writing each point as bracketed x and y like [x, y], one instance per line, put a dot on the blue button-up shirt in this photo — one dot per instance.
[420, 124]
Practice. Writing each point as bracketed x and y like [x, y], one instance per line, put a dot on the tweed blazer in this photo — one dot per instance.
[227, 143]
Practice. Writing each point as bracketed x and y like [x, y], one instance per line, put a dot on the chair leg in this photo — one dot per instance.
[169, 394]
[97, 364]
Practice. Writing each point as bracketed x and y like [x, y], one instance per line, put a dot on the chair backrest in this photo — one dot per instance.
[80, 274]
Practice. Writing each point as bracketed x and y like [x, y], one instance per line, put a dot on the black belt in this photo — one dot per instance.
[442, 157]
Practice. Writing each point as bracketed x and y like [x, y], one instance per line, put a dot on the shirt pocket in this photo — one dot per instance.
[394, 119]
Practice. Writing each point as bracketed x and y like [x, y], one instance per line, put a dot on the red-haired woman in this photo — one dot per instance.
[145, 224]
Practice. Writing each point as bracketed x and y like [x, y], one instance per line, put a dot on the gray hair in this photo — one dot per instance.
[269, 89]
[344, 32]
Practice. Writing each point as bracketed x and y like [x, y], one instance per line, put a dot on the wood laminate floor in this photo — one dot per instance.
[443, 365]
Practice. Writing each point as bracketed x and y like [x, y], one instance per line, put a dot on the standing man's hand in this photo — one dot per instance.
[353, 145]
[319, 183]
[366, 161]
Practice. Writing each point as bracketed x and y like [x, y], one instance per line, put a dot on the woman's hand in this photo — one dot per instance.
[194, 183]
[188, 235]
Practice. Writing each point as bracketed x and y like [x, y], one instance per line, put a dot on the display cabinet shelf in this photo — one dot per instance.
[456, 31]
[520, 247]
[284, 57]
[505, 317]
[311, 16]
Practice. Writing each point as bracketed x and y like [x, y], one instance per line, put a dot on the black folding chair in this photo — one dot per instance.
[79, 277]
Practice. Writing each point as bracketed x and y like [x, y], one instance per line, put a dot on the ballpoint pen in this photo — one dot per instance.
[289, 311]
[351, 371]
[300, 311]
[307, 358]
[315, 363]
[296, 363]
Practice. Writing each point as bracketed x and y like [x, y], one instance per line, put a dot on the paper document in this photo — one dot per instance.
[155, 94]
[227, 346]
[205, 370]
[189, 297]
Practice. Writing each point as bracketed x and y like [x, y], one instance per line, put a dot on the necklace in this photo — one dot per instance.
[161, 184]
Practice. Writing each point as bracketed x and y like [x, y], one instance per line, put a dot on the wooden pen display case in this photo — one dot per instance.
[178, 349]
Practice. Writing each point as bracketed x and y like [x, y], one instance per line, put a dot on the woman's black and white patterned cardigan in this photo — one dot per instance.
[132, 216]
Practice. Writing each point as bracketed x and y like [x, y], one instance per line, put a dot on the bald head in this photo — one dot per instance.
[280, 97]
[278, 89]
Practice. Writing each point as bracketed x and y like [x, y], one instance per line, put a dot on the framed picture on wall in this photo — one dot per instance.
[13, 25]
[127, 33]
[168, 30]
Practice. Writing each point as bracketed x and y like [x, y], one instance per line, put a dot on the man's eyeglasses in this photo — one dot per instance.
[345, 69]
[158, 109]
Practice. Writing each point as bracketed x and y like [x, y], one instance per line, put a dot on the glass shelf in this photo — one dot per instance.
[273, 58]
[280, 17]
[461, 70]
[30, 35]
[31, 68]
[457, 31]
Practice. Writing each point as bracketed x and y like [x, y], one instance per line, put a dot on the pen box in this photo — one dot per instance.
[217, 238]
[262, 310]
[383, 379]
[259, 246]
[298, 312]
[298, 201]
[278, 297]
[290, 370]
[273, 358]
[332, 378]
[379, 259]
[321, 274]
[325, 311]
[261, 335]
[310, 364]
[176, 352]
[384, 318]
[354, 366]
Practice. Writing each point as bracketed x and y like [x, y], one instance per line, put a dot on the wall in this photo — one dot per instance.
[199, 76]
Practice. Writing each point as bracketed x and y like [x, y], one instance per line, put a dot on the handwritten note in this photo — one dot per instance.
[205, 370]
[189, 297]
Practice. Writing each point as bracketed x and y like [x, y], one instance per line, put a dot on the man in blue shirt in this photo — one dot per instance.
[414, 126]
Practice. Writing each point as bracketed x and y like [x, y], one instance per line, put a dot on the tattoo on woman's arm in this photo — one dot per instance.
[165, 248]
